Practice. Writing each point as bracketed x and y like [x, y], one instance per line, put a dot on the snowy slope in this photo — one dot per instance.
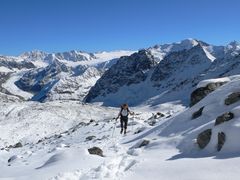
[171, 153]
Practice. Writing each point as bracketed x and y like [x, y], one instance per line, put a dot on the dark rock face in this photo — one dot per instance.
[204, 138]
[224, 118]
[18, 145]
[202, 92]
[197, 113]
[180, 61]
[221, 140]
[35, 80]
[11, 63]
[128, 70]
[232, 98]
[96, 151]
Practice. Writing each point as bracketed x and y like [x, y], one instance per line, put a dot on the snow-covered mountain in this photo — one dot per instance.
[59, 70]
[180, 67]
[171, 71]
[186, 99]
[84, 143]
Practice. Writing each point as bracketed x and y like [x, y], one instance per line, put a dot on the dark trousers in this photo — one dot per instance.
[124, 122]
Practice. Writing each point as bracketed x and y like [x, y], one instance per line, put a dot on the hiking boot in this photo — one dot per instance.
[121, 131]
[125, 132]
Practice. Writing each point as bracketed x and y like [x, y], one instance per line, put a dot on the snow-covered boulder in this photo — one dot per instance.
[224, 118]
[204, 138]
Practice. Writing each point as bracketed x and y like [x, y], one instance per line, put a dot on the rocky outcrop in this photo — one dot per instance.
[202, 92]
[232, 98]
[204, 138]
[89, 138]
[221, 140]
[128, 70]
[17, 145]
[198, 113]
[96, 151]
[224, 118]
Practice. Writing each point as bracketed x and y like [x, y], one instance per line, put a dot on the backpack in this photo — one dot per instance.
[124, 112]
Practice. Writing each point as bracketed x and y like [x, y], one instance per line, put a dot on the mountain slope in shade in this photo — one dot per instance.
[127, 71]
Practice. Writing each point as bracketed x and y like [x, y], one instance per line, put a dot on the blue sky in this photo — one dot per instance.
[96, 25]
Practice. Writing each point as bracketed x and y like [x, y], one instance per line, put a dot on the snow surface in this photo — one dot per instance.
[171, 154]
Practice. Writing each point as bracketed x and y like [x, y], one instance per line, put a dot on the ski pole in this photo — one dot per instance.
[114, 128]
[132, 122]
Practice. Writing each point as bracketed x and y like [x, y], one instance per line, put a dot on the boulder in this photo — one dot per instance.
[143, 143]
[96, 151]
[221, 140]
[204, 138]
[232, 98]
[202, 92]
[197, 113]
[224, 118]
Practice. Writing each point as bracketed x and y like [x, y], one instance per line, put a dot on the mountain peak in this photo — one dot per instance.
[234, 44]
[189, 41]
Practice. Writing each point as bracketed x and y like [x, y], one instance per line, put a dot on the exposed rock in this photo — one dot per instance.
[41, 79]
[224, 117]
[89, 138]
[128, 70]
[13, 63]
[179, 62]
[204, 138]
[197, 113]
[158, 115]
[92, 120]
[202, 92]
[221, 140]
[96, 151]
[232, 98]
[12, 158]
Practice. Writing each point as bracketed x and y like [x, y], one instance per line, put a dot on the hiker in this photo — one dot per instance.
[123, 114]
